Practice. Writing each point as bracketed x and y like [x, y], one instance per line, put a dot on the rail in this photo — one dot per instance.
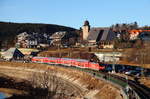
[130, 89]
[142, 91]
[101, 76]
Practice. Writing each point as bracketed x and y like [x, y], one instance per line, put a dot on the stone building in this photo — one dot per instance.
[101, 36]
[85, 30]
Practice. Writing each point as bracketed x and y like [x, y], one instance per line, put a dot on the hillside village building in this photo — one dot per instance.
[12, 54]
[56, 38]
[109, 56]
[32, 40]
[135, 33]
[103, 37]
[37, 40]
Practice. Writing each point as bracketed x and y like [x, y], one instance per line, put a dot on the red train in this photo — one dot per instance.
[81, 63]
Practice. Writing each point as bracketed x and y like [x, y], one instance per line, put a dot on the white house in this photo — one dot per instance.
[108, 56]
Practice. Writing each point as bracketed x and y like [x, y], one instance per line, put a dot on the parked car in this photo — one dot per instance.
[133, 72]
[121, 70]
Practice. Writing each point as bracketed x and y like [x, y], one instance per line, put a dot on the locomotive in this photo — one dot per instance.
[81, 63]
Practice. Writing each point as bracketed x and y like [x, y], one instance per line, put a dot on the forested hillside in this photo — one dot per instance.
[8, 30]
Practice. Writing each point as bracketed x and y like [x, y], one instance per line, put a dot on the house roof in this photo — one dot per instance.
[145, 36]
[100, 34]
[58, 35]
[23, 35]
[93, 34]
[12, 52]
[111, 35]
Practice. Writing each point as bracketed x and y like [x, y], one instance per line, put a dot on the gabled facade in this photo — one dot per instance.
[56, 38]
[12, 54]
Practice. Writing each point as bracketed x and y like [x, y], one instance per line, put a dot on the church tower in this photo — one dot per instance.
[85, 30]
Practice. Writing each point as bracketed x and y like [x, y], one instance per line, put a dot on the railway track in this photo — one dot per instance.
[142, 91]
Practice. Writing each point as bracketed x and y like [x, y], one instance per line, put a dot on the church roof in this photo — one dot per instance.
[100, 34]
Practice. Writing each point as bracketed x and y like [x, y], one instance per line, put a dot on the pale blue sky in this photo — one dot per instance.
[100, 13]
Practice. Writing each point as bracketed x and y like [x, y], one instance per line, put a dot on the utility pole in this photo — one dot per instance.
[143, 62]
[114, 61]
[59, 51]
[113, 66]
[70, 52]
[127, 79]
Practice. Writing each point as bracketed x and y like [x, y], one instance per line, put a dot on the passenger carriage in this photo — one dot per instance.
[81, 63]
[67, 61]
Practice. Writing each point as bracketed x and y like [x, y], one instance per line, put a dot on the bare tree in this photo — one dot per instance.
[56, 86]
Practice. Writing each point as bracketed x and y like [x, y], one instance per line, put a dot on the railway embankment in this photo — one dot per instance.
[58, 81]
